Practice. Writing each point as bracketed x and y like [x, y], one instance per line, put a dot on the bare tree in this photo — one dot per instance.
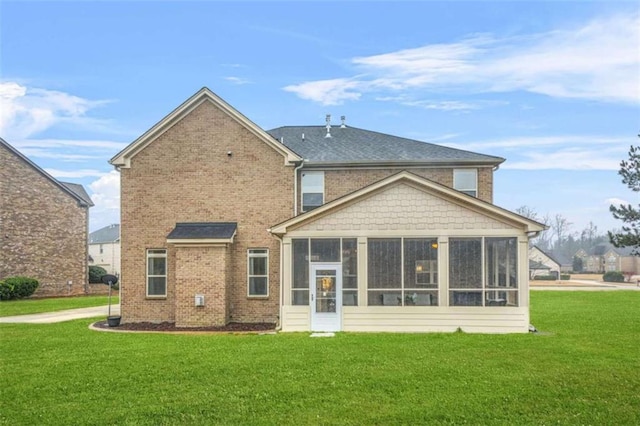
[560, 226]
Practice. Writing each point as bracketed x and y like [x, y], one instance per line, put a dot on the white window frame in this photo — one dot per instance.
[303, 191]
[457, 175]
[254, 253]
[157, 253]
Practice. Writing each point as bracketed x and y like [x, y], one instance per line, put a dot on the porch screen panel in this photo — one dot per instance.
[384, 271]
[300, 282]
[349, 271]
[501, 272]
[325, 250]
[465, 271]
[420, 271]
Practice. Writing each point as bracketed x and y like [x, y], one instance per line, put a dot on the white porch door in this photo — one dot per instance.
[326, 297]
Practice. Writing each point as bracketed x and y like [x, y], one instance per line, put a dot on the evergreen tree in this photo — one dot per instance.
[629, 215]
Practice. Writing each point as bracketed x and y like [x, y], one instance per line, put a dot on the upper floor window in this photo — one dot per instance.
[258, 272]
[466, 180]
[156, 272]
[312, 190]
[101, 249]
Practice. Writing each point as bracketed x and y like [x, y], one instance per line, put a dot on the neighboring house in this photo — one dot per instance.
[543, 263]
[606, 257]
[566, 263]
[104, 248]
[321, 228]
[43, 226]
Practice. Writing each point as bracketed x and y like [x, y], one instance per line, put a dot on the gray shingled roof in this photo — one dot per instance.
[353, 145]
[79, 191]
[601, 249]
[203, 230]
[108, 234]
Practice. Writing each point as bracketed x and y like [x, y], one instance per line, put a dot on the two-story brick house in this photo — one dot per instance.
[43, 226]
[315, 228]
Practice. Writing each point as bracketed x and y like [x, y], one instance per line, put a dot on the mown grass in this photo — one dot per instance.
[35, 306]
[585, 369]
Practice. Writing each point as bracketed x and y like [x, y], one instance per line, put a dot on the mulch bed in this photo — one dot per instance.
[171, 327]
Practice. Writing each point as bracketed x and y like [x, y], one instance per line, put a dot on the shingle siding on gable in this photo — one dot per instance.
[410, 209]
[185, 175]
[43, 231]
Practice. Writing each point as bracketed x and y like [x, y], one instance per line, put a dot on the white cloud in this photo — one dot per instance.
[237, 80]
[27, 111]
[328, 92]
[106, 191]
[544, 141]
[597, 60]
[79, 173]
[575, 158]
[105, 194]
[617, 202]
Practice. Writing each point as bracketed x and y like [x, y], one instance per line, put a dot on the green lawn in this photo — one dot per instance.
[585, 369]
[33, 306]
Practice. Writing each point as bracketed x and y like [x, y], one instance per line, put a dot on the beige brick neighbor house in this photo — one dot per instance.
[43, 226]
[322, 228]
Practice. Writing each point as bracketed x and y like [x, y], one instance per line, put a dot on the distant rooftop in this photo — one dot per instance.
[108, 234]
[352, 145]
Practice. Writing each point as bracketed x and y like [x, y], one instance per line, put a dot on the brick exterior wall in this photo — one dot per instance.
[202, 271]
[341, 182]
[43, 230]
[185, 175]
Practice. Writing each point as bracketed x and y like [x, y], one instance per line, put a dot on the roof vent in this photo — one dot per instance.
[328, 135]
[343, 125]
[303, 137]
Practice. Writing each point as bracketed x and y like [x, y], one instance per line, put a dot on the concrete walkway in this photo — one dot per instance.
[60, 316]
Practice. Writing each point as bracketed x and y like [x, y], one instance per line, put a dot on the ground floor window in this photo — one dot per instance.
[402, 272]
[324, 250]
[258, 272]
[483, 272]
[156, 272]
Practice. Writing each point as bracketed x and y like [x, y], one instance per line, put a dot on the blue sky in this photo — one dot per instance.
[554, 87]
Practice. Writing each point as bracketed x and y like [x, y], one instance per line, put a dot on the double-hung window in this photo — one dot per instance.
[312, 190]
[258, 272]
[156, 272]
[466, 180]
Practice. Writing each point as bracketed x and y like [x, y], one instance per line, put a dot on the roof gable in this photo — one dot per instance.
[108, 234]
[123, 158]
[74, 190]
[420, 195]
[350, 145]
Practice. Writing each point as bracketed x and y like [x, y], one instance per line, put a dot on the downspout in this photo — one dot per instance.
[295, 188]
[279, 324]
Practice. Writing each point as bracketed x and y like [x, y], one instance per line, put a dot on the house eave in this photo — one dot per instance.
[399, 164]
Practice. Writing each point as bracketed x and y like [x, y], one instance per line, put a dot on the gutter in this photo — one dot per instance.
[295, 187]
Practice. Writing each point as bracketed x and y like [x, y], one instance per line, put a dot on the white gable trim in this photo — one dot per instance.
[445, 192]
[123, 158]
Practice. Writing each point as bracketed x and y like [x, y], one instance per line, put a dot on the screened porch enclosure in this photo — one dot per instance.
[404, 271]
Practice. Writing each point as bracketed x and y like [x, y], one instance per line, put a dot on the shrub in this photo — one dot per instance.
[613, 277]
[18, 287]
[5, 291]
[545, 278]
[565, 277]
[95, 272]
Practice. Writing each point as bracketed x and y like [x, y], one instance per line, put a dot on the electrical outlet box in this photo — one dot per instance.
[199, 299]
